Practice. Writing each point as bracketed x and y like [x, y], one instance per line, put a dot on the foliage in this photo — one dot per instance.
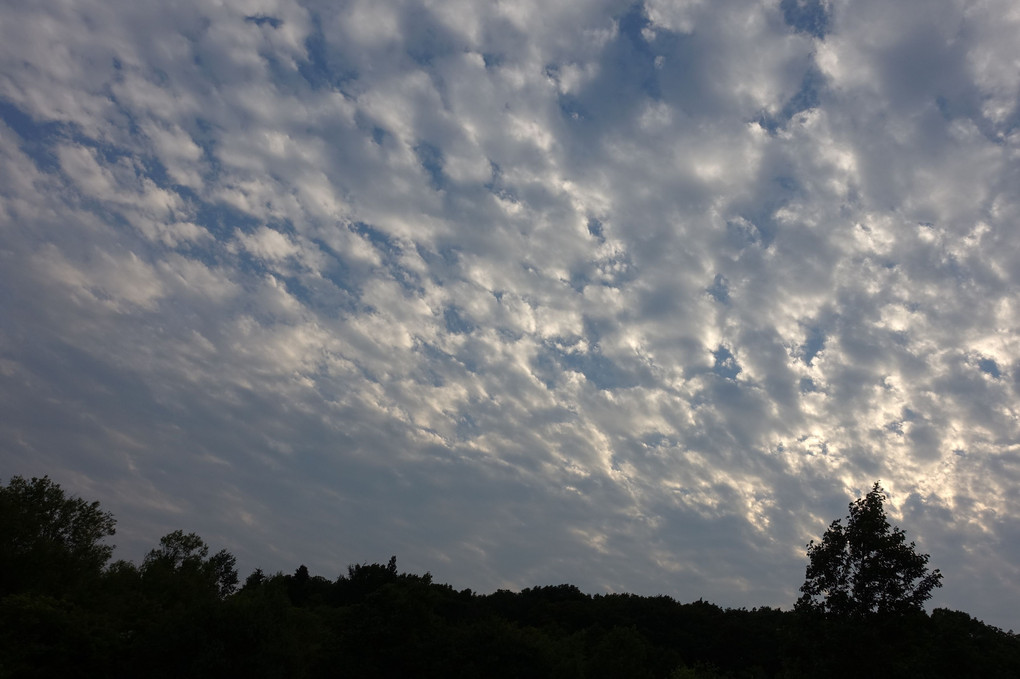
[866, 567]
[186, 557]
[178, 614]
[49, 542]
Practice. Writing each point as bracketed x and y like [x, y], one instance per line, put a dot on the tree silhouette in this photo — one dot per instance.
[49, 542]
[866, 567]
[184, 559]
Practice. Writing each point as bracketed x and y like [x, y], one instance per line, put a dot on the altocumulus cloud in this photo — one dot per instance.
[635, 296]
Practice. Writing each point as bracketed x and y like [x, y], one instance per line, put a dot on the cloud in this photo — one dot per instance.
[634, 296]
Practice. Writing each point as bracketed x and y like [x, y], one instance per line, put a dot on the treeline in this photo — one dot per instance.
[183, 612]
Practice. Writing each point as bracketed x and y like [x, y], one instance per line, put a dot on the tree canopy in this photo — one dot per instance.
[179, 614]
[184, 558]
[866, 567]
[49, 542]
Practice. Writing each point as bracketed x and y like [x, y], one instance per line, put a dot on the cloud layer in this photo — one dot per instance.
[632, 296]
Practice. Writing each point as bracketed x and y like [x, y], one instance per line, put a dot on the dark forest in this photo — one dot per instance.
[66, 610]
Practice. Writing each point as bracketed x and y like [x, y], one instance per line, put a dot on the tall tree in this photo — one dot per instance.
[866, 566]
[183, 558]
[49, 542]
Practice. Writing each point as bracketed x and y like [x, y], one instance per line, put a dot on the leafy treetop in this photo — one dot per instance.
[866, 567]
[49, 542]
[184, 558]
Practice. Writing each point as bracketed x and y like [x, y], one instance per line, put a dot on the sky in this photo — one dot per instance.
[632, 296]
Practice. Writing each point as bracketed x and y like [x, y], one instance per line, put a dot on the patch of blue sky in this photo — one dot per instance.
[579, 279]
[440, 363]
[989, 366]
[323, 295]
[37, 138]
[509, 335]
[425, 38]
[497, 187]
[807, 97]
[1004, 130]
[431, 160]
[145, 166]
[806, 16]
[638, 52]
[342, 277]
[442, 262]
[220, 219]
[332, 292]
[719, 290]
[323, 70]
[627, 74]
[594, 329]
[39, 141]
[248, 264]
[807, 385]
[204, 134]
[450, 255]
[945, 107]
[264, 20]
[390, 252]
[457, 321]
[787, 183]
[726, 365]
[545, 367]
[156, 171]
[379, 239]
[572, 108]
[598, 369]
[813, 344]
[285, 79]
